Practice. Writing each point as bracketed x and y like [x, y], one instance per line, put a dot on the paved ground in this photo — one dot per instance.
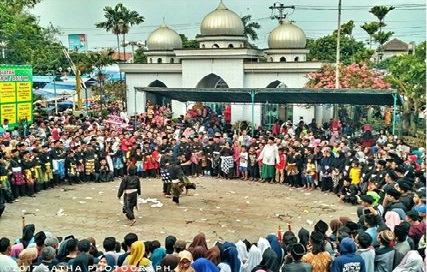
[222, 209]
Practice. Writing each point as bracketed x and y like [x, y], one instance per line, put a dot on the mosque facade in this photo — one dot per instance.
[224, 59]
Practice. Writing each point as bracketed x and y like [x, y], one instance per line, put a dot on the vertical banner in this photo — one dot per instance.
[16, 94]
[77, 43]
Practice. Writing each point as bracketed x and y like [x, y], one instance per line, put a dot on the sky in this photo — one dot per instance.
[316, 17]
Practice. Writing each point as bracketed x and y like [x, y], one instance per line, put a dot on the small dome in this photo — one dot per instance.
[164, 38]
[287, 36]
[222, 22]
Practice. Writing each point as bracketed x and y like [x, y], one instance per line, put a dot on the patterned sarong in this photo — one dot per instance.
[227, 163]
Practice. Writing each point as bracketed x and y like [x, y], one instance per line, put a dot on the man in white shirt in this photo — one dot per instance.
[7, 264]
[269, 156]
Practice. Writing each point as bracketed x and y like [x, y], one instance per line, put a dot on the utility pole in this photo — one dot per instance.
[337, 65]
[281, 16]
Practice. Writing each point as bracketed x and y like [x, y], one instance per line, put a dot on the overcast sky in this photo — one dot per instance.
[316, 17]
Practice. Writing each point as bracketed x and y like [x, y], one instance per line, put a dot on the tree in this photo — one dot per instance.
[374, 29]
[187, 43]
[250, 27]
[352, 51]
[407, 73]
[381, 11]
[119, 20]
[370, 28]
[351, 76]
[140, 56]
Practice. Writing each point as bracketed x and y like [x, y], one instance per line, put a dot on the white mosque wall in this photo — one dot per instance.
[230, 70]
[306, 112]
[324, 113]
[261, 80]
[136, 100]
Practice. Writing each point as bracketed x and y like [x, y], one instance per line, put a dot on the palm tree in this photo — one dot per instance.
[119, 20]
[250, 27]
[371, 28]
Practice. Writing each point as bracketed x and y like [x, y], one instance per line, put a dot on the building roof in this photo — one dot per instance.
[287, 36]
[280, 95]
[395, 45]
[164, 38]
[222, 22]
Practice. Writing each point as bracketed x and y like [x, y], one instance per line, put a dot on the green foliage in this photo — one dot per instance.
[381, 11]
[347, 28]
[250, 27]
[324, 49]
[371, 28]
[187, 43]
[119, 19]
[140, 56]
[382, 37]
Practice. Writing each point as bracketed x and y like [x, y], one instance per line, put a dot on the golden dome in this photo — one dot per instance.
[287, 36]
[222, 22]
[164, 38]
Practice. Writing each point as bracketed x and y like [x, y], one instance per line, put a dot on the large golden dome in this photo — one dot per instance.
[164, 38]
[222, 22]
[287, 36]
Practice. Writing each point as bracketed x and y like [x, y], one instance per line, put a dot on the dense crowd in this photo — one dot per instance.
[376, 171]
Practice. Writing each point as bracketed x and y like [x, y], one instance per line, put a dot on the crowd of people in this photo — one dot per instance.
[375, 170]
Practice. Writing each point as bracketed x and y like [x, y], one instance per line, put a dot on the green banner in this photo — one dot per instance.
[16, 94]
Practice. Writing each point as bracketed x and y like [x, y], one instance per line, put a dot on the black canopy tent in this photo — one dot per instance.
[281, 96]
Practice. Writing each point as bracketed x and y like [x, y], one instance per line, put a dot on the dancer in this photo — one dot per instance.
[177, 176]
[131, 187]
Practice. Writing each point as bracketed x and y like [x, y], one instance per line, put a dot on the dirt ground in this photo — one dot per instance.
[223, 209]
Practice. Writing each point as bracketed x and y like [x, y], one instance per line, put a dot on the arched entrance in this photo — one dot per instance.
[213, 81]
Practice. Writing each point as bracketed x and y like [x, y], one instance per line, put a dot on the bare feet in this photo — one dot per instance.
[133, 222]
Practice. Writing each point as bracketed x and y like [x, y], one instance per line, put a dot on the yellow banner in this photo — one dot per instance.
[23, 91]
[7, 92]
[24, 111]
[8, 111]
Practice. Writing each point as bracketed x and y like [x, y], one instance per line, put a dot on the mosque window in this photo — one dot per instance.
[172, 60]
[282, 59]
[203, 46]
[151, 60]
[271, 59]
[296, 59]
[159, 60]
[230, 46]
[215, 46]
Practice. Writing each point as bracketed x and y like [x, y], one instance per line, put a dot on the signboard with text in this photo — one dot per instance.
[77, 43]
[16, 94]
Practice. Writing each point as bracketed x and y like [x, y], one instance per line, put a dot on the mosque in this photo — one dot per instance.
[224, 59]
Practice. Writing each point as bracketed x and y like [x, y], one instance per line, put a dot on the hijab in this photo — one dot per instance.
[392, 219]
[136, 257]
[16, 249]
[229, 255]
[169, 243]
[184, 255]
[263, 244]
[214, 255]
[204, 265]
[254, 259]
[242, 251]
[198, 240]
[412, 262]
[157, 256]
[304, 237]
[275, 246]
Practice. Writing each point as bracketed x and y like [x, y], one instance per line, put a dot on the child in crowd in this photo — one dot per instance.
[354, 172]
[243, 163]
[280, 166]
[310, 172]
[252, 164]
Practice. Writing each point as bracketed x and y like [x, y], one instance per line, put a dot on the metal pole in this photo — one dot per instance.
[337, 71]
[394, 112]
[253, 111]
[135, 109]
[54, 92]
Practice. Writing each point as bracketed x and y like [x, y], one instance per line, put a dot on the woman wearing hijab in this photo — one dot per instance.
[198, 240]
[275, 246]
[137, 258]
[214, 255]
[15, 250]
[229, 256]
[242, 251]
[157, 256]
[169, 244]
[254, 259]
[106, 263]
[204, 265]
[304, 237]
[26, 258]
[269, 257]
[185, 260]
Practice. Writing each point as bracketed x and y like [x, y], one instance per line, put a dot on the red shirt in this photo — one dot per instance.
[281, 165]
